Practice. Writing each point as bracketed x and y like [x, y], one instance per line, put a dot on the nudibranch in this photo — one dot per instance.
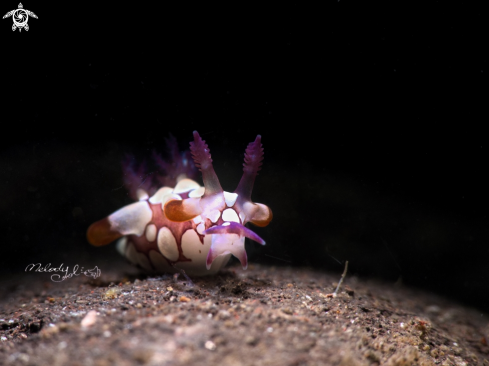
[187, 227]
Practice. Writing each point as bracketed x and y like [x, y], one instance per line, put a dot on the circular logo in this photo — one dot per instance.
[20, 17]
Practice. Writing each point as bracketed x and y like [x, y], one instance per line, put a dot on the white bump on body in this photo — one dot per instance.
[160, 194]
[199, 192]
[214, 215]
[183, 175]
[144, 262]
[230, 215]
[131, 219]
[256, 211]
[191, 245]
[230, 198]
[159, 263]
[201, 228]
[197, 220]
[242, 217]
[185, 185]
[141, 194]
[151, 232]
[131, 253]
[169, 197]
[122, 245]
[167, 244]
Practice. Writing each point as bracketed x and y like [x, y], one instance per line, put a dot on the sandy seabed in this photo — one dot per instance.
[261, 316]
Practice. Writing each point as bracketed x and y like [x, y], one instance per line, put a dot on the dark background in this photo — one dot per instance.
[373, 121]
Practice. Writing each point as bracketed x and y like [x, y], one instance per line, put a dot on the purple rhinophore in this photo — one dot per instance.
[203, 161]
[252, 164]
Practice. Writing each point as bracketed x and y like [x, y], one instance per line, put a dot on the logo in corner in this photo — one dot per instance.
[20, 17]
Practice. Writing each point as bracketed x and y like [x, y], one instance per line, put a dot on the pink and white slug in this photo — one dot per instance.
[187, 227]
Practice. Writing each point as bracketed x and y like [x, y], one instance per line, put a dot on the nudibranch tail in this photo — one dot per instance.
[99, 233]
[252, 164]
[131, 219]
[203, 161]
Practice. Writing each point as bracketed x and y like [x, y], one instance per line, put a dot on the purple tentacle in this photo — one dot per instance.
[252, 164]
[223, 244]
[203, 161]
[235, 228]
[220, 246]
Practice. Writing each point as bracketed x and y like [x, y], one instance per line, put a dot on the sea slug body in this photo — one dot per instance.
[188, 227]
